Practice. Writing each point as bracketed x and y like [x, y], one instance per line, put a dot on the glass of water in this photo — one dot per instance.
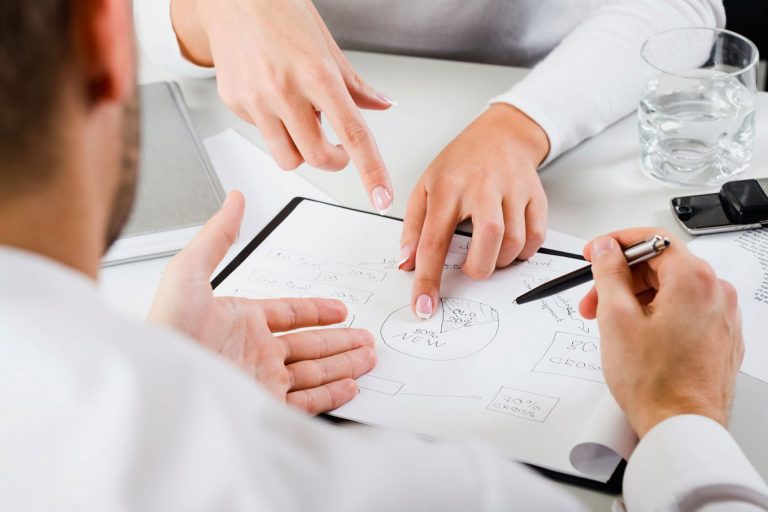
[697, 113]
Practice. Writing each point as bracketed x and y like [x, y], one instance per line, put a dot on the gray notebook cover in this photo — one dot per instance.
[178, 187]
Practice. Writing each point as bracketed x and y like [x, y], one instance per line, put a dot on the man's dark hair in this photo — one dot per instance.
[35, 49]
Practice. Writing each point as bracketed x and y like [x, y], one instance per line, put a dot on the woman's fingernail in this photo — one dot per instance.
[405, 254]
[602, 246]
[387, 99]
[424, 307]
[382, 200]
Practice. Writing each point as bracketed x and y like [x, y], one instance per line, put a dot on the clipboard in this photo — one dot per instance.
[612, 487]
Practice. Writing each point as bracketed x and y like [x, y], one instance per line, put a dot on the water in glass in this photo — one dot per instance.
[696, 130]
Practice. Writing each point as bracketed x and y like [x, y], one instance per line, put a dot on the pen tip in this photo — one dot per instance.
[514, 302]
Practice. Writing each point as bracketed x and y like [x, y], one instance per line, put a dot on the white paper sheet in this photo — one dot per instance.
[267, 188]
[526, 378]
[742, 259]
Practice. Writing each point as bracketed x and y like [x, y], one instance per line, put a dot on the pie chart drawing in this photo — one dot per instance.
[459, 328]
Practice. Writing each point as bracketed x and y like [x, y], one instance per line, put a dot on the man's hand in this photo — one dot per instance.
[670, 329]
[313, 369]
[488, 173]
[278, 67]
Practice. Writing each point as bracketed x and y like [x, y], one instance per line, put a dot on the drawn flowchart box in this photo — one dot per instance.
[523, 404]
[295, 287]
[380, 385]
[572, 355]
[328, 268]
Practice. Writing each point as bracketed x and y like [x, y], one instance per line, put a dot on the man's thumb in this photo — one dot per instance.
[613, 279]
[208, 248]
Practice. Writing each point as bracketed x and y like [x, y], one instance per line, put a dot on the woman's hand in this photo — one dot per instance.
[488, 174]
[279, 68]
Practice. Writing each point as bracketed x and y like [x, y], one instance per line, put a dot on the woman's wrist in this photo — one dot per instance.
[517, 126]
[190, 32]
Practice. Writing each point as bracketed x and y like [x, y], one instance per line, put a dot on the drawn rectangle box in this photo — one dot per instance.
[327, 267]
[249, 294]
[380, 385]
[523, 404]
[348, 295]
[297, 287]
[572, 355]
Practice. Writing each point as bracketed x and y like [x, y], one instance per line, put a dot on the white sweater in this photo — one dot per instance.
[590, 76]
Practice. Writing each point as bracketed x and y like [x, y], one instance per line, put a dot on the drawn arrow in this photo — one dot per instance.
[469, 397]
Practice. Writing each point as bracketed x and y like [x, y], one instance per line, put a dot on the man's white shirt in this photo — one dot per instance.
[101, 412]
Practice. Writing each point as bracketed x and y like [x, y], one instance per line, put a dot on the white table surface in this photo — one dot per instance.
[593, 189]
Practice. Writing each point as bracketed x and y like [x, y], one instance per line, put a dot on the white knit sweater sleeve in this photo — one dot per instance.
[595, 76]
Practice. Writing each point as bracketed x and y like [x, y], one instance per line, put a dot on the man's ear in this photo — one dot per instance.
[106, 41]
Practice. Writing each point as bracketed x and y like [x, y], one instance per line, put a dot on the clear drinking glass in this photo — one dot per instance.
[697, 113]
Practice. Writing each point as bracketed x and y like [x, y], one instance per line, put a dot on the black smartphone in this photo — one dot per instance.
[740, 205]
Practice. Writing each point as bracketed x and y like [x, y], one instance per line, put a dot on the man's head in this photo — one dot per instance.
[68, 126]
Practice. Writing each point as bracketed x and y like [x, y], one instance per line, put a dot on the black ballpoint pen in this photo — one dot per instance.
[635, 254]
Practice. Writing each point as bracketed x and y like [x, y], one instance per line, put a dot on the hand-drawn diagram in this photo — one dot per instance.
[572, 355]
[559, 306]
[459, 328]
[442, 395]
[537, 261]
[265, 283]
[379, 384]
[383, 263]
[452, 263]
[282, 273]
[394, 387]
[346, 324]
[329, 271]
[523, 404]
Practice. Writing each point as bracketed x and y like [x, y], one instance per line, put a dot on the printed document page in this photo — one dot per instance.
[527, 379]
[742, 259]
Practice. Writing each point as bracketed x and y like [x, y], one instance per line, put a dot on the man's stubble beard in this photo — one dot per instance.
[125, 195]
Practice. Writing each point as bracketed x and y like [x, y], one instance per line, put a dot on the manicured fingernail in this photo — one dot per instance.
[424, 307]
[382, 200]
[602, 246]
[405, 253]
[384, 97]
